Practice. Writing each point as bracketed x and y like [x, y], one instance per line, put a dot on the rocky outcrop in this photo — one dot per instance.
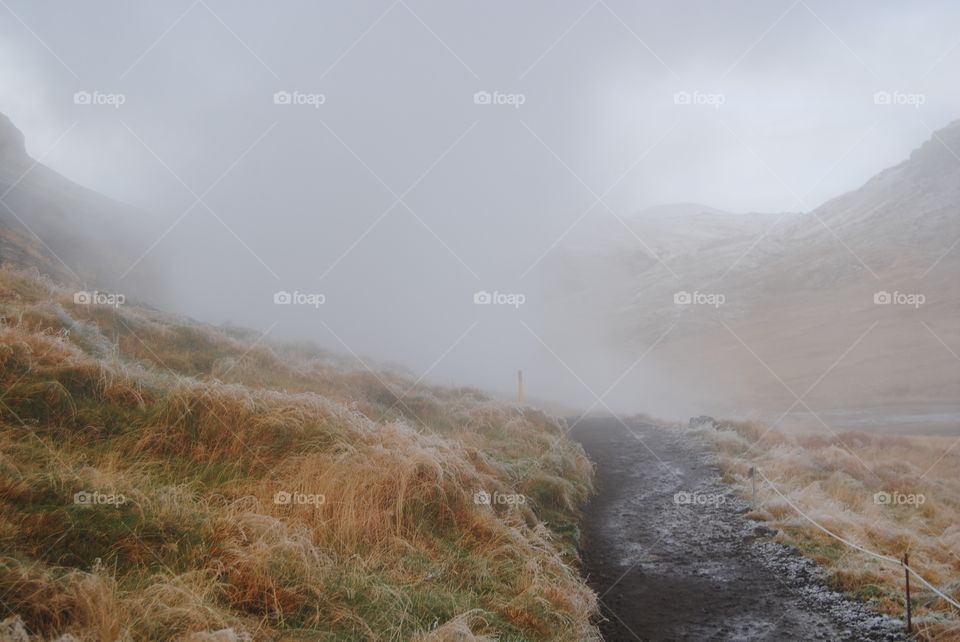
[11, 139]
[67, 232]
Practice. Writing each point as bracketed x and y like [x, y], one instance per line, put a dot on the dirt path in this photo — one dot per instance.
[696, 571]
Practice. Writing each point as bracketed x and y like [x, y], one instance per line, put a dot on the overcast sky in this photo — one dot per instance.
[390, 190]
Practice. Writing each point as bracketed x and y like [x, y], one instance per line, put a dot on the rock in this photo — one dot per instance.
[223, 635]
[703, 421]
[11, 139]
[12, 630]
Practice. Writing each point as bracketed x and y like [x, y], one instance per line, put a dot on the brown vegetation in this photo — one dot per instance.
[865, 488]
[200, 428]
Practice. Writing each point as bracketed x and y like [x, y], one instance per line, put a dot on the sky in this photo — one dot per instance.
[398, 157]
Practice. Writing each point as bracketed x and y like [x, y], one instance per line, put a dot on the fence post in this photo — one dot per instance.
[520, 387]
[906, 572]
[753, 477]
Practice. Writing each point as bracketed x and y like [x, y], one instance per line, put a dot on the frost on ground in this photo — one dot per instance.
[890, 493]
[671, 554]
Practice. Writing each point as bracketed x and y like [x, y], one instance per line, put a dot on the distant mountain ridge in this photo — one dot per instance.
[799, 291]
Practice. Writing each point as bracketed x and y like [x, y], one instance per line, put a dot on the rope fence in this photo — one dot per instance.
[952, 602]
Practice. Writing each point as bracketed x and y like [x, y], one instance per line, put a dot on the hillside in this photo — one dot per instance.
[65, 230]
[269, 489]
[798, 293]
[163, 479]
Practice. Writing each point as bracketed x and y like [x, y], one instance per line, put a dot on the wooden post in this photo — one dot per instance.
[906, 572]
[520, 386]
[753, 478]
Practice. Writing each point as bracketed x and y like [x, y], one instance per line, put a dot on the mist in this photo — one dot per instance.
[397, 161]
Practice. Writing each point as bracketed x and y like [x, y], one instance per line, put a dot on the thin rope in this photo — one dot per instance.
[856, 546]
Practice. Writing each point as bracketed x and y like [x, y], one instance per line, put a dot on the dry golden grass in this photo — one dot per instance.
[834, 480]
[199, 429]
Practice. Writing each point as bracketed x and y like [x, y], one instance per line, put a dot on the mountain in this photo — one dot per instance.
[163, 479]
[65, 231]
[798, 294]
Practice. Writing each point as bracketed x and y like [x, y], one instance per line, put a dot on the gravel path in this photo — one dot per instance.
[691, 566]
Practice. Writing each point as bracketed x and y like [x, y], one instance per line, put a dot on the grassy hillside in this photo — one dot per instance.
[892, 494]
[162, 479]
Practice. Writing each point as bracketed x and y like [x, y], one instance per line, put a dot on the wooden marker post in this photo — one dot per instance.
[906, 572]
[519, 386]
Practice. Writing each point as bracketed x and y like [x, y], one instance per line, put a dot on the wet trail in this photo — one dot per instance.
[690, 566]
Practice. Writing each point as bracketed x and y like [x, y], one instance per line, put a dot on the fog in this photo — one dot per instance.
[397, 192]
